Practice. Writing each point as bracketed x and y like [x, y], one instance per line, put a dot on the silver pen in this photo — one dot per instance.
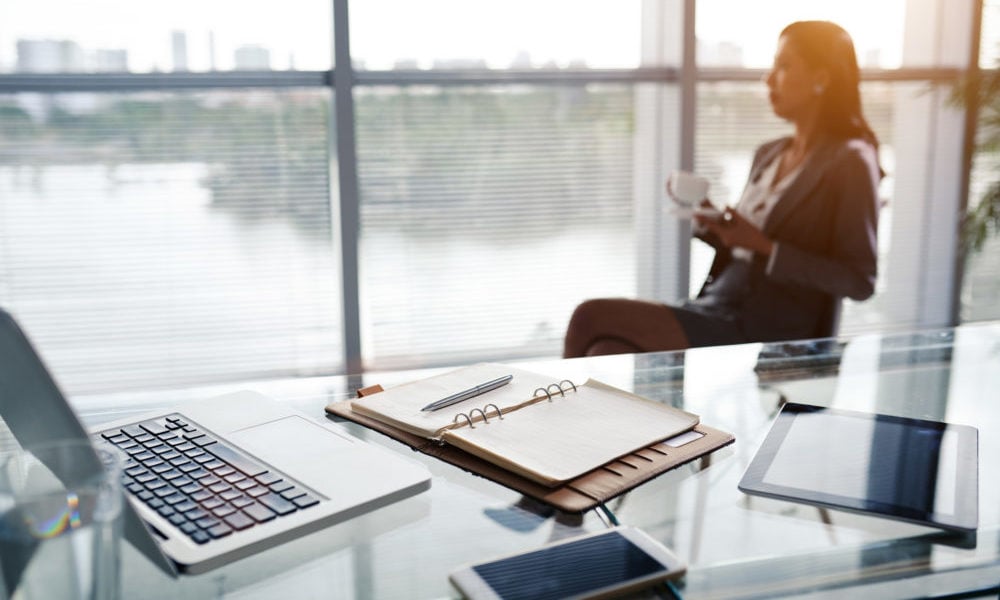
[469, 393]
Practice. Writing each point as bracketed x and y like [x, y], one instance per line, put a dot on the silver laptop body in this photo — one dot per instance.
[344, 475]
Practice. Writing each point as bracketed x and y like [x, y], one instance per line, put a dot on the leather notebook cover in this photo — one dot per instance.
[575, 496]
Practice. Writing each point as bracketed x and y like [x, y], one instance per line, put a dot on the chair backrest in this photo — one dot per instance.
[829, 321]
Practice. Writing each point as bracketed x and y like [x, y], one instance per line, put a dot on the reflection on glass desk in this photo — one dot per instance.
[735, 545]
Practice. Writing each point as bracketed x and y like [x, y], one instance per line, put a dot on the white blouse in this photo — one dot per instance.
[759, 198]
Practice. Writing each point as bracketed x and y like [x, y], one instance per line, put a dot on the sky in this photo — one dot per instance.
[604, 33]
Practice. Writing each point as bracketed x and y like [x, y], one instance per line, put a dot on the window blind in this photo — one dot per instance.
[155, 239]
[981, 276]
[488, 213]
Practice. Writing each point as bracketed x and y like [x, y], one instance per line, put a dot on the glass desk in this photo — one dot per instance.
[736, 546]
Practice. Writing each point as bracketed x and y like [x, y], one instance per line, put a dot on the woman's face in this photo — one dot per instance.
[792, 85]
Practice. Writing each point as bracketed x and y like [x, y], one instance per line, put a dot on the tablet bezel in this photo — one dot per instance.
[964, 519]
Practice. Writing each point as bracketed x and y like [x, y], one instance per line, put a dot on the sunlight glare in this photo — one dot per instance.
[876, 27]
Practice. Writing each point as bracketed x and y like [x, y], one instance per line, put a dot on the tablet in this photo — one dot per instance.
[912, 470]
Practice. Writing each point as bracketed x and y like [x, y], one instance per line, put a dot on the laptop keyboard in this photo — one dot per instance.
[200, 484]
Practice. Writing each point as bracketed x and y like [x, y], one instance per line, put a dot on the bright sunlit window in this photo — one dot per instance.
[747, 35]
[180, 35]
[522, 34]
[186, 235]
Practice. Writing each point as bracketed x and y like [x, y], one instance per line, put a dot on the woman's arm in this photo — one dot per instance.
[702, 225]
[849, 269]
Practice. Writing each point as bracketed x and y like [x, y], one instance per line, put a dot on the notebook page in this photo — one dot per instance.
[552, 442]
[400, 405]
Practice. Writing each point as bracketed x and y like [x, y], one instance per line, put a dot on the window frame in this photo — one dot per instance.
[666, 275]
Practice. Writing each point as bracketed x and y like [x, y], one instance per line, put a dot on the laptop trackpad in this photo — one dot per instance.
[302, 449]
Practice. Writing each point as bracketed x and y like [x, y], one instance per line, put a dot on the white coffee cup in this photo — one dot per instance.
[687, 189]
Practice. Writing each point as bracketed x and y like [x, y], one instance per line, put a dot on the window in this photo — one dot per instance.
[170, 192]
[488, 213]
[151, 238]
[107, 36]
[981, 281]
[514, 34]
[733, 33]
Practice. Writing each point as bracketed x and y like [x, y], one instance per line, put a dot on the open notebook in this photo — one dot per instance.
[538, 435]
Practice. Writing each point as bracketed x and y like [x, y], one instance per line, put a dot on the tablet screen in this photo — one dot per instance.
[909, 469]
[569, 569]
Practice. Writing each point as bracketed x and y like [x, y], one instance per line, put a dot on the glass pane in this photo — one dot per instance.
[981, 276]
[989, 43]
[168, 238]
[734, 118]
[47, 36]
[488, 213]
[981, 279]
[740, 33]
[456, 34]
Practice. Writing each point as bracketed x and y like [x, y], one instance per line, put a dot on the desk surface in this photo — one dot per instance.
[735, 545]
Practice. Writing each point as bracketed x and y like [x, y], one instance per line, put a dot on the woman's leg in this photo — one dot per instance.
[620, 325]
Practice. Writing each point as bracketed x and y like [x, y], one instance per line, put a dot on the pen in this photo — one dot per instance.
[469, 393]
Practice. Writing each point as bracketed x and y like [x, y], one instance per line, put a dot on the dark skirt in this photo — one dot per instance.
[712, 319]
[704, 326]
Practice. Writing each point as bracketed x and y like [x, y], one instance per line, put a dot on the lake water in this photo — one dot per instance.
[130, 277]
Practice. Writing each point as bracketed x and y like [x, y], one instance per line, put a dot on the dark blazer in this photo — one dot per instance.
[825, 226]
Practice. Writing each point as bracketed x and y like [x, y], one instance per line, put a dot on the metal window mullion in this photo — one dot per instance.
[689, 101]
[973, 74]
[688, 84]
[514, 76]
[127, 82]
[345, 157]
[167, 82]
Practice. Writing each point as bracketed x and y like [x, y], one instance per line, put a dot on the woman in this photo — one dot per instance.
[801, 238]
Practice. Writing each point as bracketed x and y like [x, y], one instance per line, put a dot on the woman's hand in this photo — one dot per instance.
[733, 230]
[705, 210]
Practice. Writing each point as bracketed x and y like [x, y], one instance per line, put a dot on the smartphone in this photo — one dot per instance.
[597, 565]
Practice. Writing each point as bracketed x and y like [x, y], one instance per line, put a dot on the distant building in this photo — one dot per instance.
[460, 63]
[872, 59]
[522, 60]
[252, 58]
[720, 54]
[179, 50]
[406, 64]
[110, 61]
[211, 51]
[50, 56]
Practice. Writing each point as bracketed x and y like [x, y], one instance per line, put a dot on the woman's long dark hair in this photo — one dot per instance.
[826, 46]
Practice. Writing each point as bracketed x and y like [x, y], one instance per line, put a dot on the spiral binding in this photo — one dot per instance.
[560, 388]
[468, 416]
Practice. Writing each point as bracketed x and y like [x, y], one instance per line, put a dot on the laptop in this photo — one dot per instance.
[212, 481]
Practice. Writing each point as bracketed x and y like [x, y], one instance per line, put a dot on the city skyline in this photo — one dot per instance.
[601, 34]
[67, 56]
